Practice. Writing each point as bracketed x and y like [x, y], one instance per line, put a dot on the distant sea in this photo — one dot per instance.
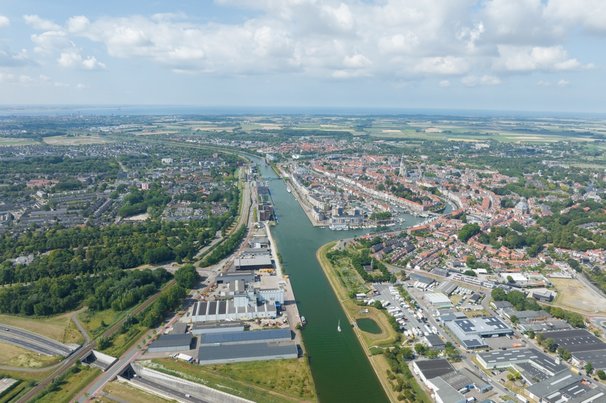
[133, 110]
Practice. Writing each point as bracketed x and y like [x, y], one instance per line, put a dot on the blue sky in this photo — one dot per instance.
[463, 54]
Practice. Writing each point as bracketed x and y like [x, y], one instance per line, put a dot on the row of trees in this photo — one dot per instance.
[227, 247]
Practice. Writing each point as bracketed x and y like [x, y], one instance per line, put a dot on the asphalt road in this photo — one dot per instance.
[168, 391]
[27, 345]
[85, 349]
[24, 337]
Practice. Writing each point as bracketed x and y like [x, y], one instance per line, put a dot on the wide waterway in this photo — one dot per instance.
[341, 371]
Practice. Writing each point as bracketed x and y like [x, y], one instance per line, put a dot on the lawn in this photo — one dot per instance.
[123, 392]
[262, 381]
[64, 390]
[58, 327]
[15, 356]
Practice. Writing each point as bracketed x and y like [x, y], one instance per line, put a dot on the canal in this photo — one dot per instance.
[341, 371]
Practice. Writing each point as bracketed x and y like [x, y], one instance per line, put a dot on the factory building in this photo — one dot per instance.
[169, 343]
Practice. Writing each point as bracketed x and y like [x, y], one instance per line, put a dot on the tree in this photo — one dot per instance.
[421, 349]
[468, 231]
[514, 319]
[407, 353]
[588, 368]
[564, 354]
[187, 276]
[601, 374]
[551, 345]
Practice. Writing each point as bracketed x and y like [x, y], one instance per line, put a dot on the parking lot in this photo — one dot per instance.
[410, 318]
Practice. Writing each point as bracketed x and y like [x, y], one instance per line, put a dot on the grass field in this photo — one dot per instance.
[75, 140]
[97, 322]
[58, 327]
[14, 141]
[121, 392]
[15, 356]
[577, 297]
[261, 381]
[70, 386]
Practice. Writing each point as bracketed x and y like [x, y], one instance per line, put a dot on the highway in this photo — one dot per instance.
[84, 350]
[33, 341]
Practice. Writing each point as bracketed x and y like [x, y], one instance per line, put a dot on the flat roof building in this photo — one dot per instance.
[215, 311]
[518, 358]
[171, 343]
[228, 353]
[205, 328]
[254, 336]
[471, 331]
[428, 369]
[438, 300]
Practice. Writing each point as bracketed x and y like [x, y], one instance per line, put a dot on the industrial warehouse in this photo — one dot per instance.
[472, 331]
[227, 344]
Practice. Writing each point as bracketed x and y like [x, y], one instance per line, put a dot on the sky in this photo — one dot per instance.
[539, 55]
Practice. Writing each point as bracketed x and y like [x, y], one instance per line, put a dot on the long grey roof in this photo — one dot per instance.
[250, 350]
[172, 340]
[242, 337]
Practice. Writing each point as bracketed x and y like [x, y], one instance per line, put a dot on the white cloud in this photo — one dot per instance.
[40, 24]
[588, 14]
[527, 59]
[485, 80]
[50, 41]
[72, 58]
[390, 39]
[15, 78]
[12, 59]
[77, 24]
[563, 83]
[442, 65]
[4, 21]
[444, 83]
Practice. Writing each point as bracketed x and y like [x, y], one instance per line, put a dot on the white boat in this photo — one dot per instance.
[288, 189]
[303, 321]
[339, 326]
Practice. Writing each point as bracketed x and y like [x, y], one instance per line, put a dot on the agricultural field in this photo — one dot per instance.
[14, 356]
[58, 327]
[266, 381]
[576, 296]
[15, 141]
[75, 140]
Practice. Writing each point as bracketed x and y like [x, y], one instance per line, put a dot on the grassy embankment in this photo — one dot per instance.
[261, 381]
[68, 385]
[57, 327]
[14, 356]
[344, 281]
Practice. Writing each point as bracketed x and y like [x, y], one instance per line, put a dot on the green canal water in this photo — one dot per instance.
[341, 371]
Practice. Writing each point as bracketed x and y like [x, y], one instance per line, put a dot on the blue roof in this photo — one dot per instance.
[243, 337]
